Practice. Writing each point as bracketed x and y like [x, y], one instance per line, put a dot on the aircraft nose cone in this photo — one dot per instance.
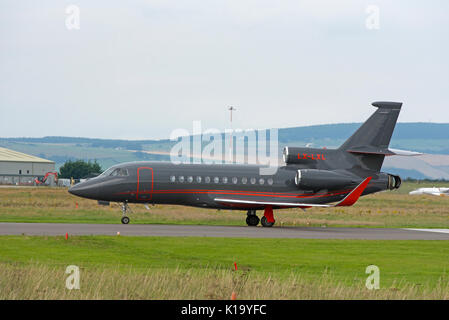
[74, 190]
[84, 190]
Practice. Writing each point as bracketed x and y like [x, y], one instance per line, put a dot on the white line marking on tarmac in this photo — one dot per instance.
[430, 230]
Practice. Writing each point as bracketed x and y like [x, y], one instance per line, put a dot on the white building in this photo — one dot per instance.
[20, 168]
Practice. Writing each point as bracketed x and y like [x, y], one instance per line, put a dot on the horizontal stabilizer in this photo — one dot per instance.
[398, 152]
[385, 152]
[371, 150]
[387, 105]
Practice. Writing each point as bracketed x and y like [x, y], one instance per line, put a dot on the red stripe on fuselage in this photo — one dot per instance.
[244, 193]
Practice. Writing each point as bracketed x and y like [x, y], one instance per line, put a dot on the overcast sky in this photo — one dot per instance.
[140, 69]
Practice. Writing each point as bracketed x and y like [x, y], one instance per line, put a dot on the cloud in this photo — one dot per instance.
[144, 68]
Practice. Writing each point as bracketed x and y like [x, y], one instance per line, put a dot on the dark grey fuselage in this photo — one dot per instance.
[309, 176]
[198, 185]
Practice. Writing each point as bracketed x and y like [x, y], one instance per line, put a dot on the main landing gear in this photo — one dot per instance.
[252, 220]
[125, 207]
[267, 220]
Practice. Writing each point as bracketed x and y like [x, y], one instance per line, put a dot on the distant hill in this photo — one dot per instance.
[92, 142]
[425, 137]
[429, 138]
[411, 130]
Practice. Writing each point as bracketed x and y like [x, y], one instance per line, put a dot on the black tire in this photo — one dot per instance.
[265, 223]
[125, 220]
[252, 220]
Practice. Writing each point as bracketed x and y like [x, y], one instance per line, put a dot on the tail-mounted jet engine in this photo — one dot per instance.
[394, 182]
[294, 155]
[314, 179]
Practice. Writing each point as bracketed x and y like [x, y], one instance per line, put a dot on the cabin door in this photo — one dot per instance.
[144, 183]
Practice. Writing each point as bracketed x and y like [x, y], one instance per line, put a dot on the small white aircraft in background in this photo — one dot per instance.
[432, 191]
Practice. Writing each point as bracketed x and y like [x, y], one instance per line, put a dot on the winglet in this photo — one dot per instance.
[354, 195]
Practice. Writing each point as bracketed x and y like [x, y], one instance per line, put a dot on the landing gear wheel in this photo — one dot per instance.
[125, 207]
[265, 223]
[252, 220]
[125, 220]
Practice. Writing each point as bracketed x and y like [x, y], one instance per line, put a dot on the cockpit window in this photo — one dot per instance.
[107, 172]
[115, 172]
[119, 172]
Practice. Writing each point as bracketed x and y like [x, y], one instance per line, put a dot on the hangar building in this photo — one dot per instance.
[20, 168]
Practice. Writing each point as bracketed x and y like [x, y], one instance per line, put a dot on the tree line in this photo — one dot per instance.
[79, 169]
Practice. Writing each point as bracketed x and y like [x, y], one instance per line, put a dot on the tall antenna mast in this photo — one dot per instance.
[231, 108]
[231, 158]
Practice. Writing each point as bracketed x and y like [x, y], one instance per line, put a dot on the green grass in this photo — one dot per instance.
[407, 262]
[202, 268]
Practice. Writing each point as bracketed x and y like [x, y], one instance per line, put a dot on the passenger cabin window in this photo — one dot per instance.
[199, 179]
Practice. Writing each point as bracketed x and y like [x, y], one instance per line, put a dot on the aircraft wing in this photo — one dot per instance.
[349, 200]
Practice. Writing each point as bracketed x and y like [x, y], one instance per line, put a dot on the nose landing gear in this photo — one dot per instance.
[125, 207]
[125, 220]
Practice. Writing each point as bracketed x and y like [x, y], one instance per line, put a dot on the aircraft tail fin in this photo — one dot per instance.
[370, 142]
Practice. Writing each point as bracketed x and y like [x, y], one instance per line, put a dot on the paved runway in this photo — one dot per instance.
[222, 231]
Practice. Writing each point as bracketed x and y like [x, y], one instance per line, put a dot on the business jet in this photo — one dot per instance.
[310, 177]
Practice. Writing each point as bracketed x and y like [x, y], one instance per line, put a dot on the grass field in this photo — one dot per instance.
[385, 209]
[203, 268]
